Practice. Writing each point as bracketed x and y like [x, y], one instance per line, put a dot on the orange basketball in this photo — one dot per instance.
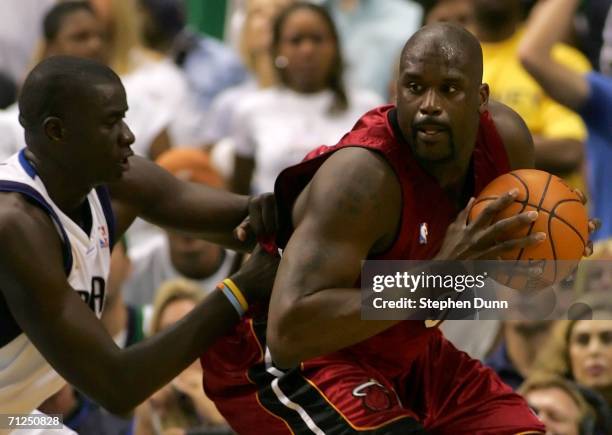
[561, 215]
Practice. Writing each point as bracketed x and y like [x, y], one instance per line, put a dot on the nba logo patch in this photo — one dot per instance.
[103, 237]
[423, 232]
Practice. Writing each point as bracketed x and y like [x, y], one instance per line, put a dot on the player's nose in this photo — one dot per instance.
[430, 104]
[127, 137]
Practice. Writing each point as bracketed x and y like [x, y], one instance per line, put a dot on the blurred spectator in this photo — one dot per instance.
[454, 11]
[595, 273]
[72, 28]
[20, 30]
[589, 28]
[277, 127]
[605, 59]
[373, 32]
[8, 91]
[84, 416]
[515, 355]
[11, 133]
[182, 404]
[588, 94]
[69, 28]
[255, 50]
[164, 256]
[157, 91]
[559, 404]
[581, 350]
[208, 65]
[558, 133]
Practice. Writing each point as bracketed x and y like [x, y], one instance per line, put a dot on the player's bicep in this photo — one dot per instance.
[346, 214]
[315, 259]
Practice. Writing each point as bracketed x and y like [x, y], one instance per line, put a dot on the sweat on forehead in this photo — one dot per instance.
[449, 43]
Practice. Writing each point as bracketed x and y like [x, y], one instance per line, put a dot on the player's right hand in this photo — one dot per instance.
[256, 276]
[480, 239]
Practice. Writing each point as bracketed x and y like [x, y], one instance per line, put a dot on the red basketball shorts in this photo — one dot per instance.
[444, 392]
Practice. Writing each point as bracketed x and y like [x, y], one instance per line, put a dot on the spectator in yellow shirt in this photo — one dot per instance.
[558, 133]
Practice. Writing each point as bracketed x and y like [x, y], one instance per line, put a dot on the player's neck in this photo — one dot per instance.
[64, 188]
[452, 179]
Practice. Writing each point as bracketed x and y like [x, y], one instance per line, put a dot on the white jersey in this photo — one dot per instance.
[26, 379]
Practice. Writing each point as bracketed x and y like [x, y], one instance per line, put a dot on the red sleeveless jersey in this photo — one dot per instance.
[424, 203]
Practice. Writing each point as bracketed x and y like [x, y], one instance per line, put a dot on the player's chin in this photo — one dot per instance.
[115, 173]
[439, 151]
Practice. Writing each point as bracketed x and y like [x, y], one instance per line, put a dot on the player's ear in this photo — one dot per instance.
[484, 97]
[53, 128]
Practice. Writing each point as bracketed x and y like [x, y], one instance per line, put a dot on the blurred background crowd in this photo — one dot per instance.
[230, 92]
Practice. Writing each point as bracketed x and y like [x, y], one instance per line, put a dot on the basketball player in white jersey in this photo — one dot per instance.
[58, 223]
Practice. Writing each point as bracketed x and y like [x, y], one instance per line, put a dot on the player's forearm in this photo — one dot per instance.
[211, 211]
[145, 367]
[212, 214]
[546, 26]
[318, 324]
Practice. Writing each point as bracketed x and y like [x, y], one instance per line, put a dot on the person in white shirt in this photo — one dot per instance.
[278, 126]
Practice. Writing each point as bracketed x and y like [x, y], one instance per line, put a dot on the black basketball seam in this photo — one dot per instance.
[526, 191]
[539, 207]
[552, 245]
[553, 214]
[492, 198]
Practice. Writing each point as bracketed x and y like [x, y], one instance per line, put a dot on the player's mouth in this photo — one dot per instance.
[125, 163]
[431, 132]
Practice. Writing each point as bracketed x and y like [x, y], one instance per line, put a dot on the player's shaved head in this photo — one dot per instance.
[447, 42]
[58, 84]
[440, 96]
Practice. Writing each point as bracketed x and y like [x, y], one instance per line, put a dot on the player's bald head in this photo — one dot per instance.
[448, 43]
[58, 84]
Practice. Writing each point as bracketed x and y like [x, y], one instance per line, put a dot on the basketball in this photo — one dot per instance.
[561, 215]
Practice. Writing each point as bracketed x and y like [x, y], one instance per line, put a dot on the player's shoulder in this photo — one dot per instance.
[22, 220]
[514, 134]
[357, 172]
[357, 161]
[354, 190]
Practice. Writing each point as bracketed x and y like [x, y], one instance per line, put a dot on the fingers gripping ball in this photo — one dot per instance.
[561, 215]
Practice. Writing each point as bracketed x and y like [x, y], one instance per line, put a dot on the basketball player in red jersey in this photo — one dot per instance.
[313, 366]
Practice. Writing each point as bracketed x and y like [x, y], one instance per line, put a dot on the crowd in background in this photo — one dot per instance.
[295, 75]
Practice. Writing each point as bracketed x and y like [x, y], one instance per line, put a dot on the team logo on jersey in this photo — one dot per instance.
[374, 396]
[103, 237]
[423, 233]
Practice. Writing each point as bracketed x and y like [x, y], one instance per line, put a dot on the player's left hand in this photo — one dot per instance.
[261, 221]
[594, 224]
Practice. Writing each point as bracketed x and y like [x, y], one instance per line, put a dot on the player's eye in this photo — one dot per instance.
[415, 88]
[449, 89]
